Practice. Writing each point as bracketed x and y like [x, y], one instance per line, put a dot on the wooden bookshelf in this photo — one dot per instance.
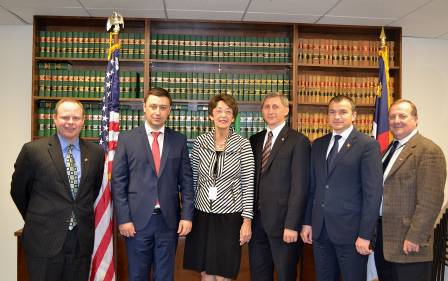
[196, 59]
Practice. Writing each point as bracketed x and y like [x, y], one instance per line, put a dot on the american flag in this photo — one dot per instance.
[102, 267]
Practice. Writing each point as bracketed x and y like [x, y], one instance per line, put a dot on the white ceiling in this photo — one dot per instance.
[419, 18]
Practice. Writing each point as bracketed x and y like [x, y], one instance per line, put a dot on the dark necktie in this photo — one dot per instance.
[333, 152]
[266, 151]
[156, 151]
[390, 154]
[72, 173]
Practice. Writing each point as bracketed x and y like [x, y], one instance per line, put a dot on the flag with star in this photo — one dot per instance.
[102, 267]
[381, 117]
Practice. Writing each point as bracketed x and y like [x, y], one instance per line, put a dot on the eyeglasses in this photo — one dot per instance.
[220, 111]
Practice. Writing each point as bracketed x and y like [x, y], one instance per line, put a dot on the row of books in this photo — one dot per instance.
[323, 51]
[315, 125]
[86, 83]
[319, 89]
[80, 44]
[202, 86]
[220, 48]
[191, 123]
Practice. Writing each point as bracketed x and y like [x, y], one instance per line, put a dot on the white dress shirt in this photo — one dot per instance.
[344, 135]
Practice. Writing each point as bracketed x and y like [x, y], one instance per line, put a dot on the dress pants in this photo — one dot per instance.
[334, 260]
[67, 265]
[152, 248]
[265, 252]
[392, 271]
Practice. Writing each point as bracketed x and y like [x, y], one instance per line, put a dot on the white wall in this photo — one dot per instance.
[15, 114]
[425, 81]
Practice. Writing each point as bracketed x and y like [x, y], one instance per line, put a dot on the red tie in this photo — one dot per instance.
[156, 151]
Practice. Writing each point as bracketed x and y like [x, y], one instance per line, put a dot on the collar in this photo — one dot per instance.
[404, 140]
[277, 129]
[64, 143]
[344, 135]
[149, 130]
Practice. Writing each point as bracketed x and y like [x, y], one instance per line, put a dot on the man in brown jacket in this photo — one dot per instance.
[414, 174]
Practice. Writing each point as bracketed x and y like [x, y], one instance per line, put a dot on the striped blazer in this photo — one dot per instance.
[234, 178]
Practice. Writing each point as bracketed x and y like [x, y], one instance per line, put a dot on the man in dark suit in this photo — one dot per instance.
[151, 167]
[281, 182]
[344, 198]
[414, 180]
[54, 186]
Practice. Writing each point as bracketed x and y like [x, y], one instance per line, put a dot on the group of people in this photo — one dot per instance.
[273, 191]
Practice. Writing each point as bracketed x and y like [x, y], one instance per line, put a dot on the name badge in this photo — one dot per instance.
[212, 193]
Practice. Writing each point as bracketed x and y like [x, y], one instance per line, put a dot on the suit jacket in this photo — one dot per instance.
[135, 183]
[348, 197]
[41, 191]
[281, 189]
[413, 196]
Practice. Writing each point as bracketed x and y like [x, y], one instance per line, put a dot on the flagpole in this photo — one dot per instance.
[113, 27]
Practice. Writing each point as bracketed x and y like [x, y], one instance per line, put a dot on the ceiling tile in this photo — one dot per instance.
[27, 14]
[271, 17]
[128, 4]
[128, 13]
[212, 5]
[6, 18]
[299, 7]
[355, 21]
[376, 9]
[39, 4]
[204, 15]
[430, 21]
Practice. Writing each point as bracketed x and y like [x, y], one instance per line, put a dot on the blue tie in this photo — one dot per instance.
[333, 152]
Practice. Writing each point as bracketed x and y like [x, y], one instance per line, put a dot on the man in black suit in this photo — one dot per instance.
[54, 186]
[282, 158]
[344, 198]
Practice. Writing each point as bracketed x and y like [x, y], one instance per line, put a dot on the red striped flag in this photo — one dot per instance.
[102, 267]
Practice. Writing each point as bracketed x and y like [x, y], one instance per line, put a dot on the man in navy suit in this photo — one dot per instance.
[344, 198]
[151, 167]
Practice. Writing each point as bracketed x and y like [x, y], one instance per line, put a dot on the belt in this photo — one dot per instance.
[380, 219]
[156, 211]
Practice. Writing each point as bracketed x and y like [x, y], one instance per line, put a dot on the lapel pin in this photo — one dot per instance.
[85, 159]
[348, 145]
[283, 139]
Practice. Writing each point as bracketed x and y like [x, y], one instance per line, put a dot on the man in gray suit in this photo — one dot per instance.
[54, 186]
[414, 180]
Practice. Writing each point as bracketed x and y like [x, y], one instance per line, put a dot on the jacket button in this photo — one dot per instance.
[327, 186]
[323, 205]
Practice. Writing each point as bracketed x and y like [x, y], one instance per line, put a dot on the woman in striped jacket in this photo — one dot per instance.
[223, 175]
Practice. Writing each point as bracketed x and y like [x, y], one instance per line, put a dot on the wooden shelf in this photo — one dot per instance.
[288, 64]
[326, 105]
[37, 98]
[330, 66]
[85, 59]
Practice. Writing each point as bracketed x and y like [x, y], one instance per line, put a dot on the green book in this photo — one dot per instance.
[189, 85]
[133, 50]
[47, 118]
[183, 85]
[170, 46]
[42, 43]
[188, 48]
[215, 48]
[195, 86]
[181, 46]
[155, 46]
[41, 119]
[207, 87]
[188, 115]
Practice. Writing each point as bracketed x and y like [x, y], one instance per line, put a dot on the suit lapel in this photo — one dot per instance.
[407, 151]
[165, 151]
[259, 151]
[277, 145]
[349, 142]
[323, 154]
[84, 162]
[55, 151]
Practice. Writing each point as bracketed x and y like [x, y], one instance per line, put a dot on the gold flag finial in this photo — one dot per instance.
[383, 38]
[115, 21]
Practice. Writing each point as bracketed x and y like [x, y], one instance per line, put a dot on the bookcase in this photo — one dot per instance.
[195, 60]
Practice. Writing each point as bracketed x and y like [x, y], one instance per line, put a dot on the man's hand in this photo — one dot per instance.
[307, 234]
[362, 246]
[127, 229]
[245, 231]
[290, 236]
[409, 247]
[184, 227]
